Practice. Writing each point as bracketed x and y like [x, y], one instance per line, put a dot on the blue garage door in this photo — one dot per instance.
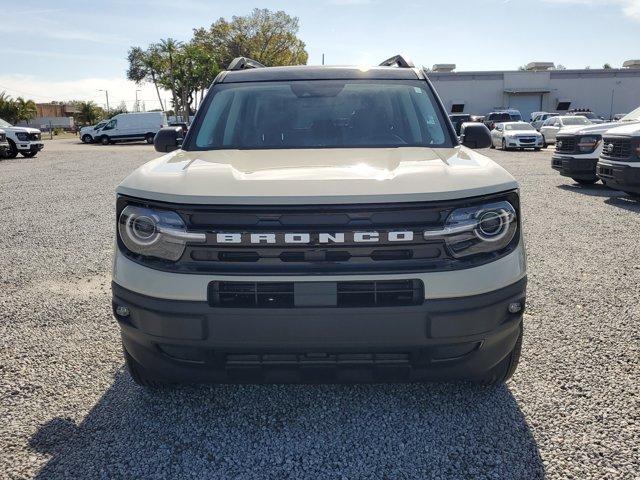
[526, 103]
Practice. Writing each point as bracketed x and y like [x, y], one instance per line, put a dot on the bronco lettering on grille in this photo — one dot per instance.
[315, 238]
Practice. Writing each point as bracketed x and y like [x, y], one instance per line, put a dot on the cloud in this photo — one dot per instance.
[630, 8]
[45, 28]
[351, 2]
[120, 89]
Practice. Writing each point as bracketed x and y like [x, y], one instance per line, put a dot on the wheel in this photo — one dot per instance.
[13, 150]
[537, 149]
[506, 368]
[504, 145]
[29, 154]
[105, 140]
[582, 181]
[86, 138]
[544, 142]
[149, 138]
[492, 145]
[139, 375]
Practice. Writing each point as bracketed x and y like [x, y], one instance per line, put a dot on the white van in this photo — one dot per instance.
[131, 126]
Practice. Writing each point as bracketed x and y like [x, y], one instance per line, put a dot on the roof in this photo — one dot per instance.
[304, 72]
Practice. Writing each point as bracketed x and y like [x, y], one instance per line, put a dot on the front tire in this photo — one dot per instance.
[29, 154]
[87, 138]
[504, 370]
[13, 150]
[139, 375]
[149, 138]
[105, 140]
[504, 145]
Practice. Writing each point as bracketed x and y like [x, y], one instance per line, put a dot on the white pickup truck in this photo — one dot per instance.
[24, 140]
[579, 147]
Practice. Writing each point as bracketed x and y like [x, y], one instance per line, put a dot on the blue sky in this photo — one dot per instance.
[65, 49]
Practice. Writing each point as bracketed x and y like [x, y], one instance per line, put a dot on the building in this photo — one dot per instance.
[539, 88]
[52, 115]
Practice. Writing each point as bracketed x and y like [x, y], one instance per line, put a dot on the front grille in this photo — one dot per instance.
[617, 147]
[415, 254]
[34, 136]
[527, 139]
[385, 293]
[566, 144]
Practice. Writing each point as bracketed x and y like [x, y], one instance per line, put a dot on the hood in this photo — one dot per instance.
[596, 128]
[21, 129]
[317, 176]
[632, 129]
[522, 133]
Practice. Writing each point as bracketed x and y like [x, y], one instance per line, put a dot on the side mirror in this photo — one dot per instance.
[168, 139]
[475, 135]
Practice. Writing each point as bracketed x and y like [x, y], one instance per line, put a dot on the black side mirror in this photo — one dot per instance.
[168, 139]
[475, 135]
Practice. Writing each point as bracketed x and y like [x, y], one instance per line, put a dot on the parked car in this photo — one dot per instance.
[132, 126]
[4, 145]
[533, 115]
[587, 114]
[552, 126]
[274, 244]
[541, 118]
[457, 119]
[88, 134]
[26, 141]
[477, 118]
[520, 135]
[492, 118]
[619, 116]
[579, 147]
[182, 125]
[619, 164]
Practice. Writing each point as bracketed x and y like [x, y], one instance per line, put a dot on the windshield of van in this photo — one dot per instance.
[320, 114]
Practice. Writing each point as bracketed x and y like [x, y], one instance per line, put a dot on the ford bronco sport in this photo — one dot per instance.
[320, 224]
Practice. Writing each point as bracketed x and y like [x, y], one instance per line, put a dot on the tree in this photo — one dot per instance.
[145, 66]
[560, 67]
[88, 113]
[26, 109]
[8, 108]
[266, 36]
[168, 48]
[606, 66]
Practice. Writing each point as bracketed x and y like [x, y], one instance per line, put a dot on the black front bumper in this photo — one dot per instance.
[186, 341]
[620, 177]
[575, 167]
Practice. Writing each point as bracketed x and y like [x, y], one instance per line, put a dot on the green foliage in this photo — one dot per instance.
[88, 113]
[607, 66]
[188, 69]
[14, 111]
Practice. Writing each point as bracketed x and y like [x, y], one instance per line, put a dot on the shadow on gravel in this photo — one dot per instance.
[595, 190]
[625, 202]
[294, 431]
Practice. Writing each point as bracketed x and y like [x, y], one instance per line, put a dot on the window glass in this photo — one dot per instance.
[317, 114]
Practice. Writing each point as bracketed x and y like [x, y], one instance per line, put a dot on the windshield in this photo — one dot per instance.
[4, 124]
[518, 126]
[320, 114]
[632, 116]
[100, 125]
[576, 121]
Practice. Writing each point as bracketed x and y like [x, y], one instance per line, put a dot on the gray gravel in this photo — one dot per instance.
[69, 410]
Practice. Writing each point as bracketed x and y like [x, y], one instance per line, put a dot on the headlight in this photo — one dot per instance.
[588, 143]
[478, 229]
[155, 233]
[22, 136]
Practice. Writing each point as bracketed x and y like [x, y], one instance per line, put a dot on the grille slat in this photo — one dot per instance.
[348, 294]
[566, 144]
[616, 147]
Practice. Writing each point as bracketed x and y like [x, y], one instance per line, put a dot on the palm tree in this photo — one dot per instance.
[88, 112]
[26, 109]
[170, 48]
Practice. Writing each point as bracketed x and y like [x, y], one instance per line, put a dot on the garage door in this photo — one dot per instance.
[526, 103]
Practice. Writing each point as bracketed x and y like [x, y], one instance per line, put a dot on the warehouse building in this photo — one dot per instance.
[540, 87]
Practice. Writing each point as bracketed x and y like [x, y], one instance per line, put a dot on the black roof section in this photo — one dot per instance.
[319, 73]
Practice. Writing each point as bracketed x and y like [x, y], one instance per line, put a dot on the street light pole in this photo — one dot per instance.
[137, 109]
[107, 95]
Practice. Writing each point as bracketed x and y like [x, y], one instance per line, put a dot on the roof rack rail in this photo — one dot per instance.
[243, 63]
[398, 61]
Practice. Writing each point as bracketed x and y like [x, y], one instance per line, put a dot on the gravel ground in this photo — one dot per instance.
[69, 410]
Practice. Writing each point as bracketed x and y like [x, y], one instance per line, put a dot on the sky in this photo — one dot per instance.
[66, 50]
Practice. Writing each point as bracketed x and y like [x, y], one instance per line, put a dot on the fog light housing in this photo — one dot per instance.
[122, 311]
[515, 307]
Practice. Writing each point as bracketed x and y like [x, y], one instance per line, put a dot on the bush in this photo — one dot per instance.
[58, 131]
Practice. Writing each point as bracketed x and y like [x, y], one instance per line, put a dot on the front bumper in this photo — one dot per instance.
[29, 146]
[619, 176]
[521, 143]
[446, 338]
[575, 167]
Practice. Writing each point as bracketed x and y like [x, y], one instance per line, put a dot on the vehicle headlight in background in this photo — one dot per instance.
[155, 233]
[588, 143]
[478, 229]
[22, 136]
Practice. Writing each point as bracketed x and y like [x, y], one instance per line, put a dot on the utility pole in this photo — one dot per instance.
[137, 108]
[107, 95]
[323, 59]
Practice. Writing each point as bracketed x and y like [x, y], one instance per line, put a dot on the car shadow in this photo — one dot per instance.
[625, 202]
[595, 190]
[433, 430]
